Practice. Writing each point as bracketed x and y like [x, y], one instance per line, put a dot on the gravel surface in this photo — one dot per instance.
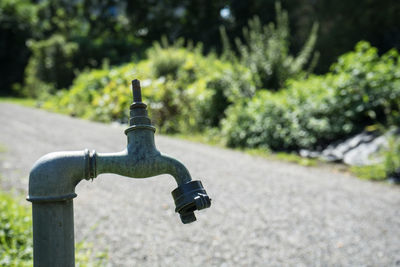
[264, 213]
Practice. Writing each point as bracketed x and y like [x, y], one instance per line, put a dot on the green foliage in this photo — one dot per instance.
[188, 92]
[15, 233]
[362, 89]
[17, 19]
[265, 51]
[374, 172]
[389, 167]
[368, 87]
[119, 29]
[294, 158]
[70, 37]
[85, 256]
[184, 90]
[50, 67]
[166, 60]
[391, 161]
[20, 14]
[281, 156]
[16, 237]
[27, 102]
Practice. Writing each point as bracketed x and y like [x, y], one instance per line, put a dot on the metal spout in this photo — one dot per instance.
[140, 159]
[53, 178]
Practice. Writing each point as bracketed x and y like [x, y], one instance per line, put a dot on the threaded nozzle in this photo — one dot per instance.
[137, 94]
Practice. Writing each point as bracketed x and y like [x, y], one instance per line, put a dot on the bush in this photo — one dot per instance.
[265, 51]
[17, 20]
[16, 244]
[392, 158]
[185, 91]
[390, 165]
[166, 60]
[15, 233]
[362, 89]
[50, 66]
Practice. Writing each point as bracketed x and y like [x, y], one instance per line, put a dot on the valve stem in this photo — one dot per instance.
[137, 94]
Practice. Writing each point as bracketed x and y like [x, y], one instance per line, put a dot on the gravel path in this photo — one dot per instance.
[264, 213]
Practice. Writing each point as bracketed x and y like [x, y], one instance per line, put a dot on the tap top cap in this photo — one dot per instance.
[137, 94]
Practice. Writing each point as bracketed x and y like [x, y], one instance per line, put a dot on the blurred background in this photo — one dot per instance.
[295, 76]
[305, 81]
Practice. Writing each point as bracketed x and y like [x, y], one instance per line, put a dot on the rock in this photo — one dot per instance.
[361, 149]
[336, 152]
[366, 153]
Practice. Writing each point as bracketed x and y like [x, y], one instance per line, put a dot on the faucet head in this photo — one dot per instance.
[189, 197]
[139, 118]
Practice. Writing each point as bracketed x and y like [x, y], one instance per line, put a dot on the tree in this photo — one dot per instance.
[17, 19]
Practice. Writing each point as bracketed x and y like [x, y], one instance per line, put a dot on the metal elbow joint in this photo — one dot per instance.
[55, 175]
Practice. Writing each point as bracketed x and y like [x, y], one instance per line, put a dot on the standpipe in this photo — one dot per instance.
[53, 179]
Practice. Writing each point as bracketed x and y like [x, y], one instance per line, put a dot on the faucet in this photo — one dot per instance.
[53, 179]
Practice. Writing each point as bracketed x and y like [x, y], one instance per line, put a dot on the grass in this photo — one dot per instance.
[16, 244]
[374, 172]
[15, 232]
[284, 156]
[207, 138]
[26, 102]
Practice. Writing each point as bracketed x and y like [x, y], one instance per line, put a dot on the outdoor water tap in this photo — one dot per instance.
[53, 179]
[141, 159]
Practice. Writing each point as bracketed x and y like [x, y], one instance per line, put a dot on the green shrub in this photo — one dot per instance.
[77, 101]
[16, 244]
[265, 51]
[391, 161]
[370, 90]
[166, 60]
[389, 167]
[15, 233]
[362, 89]
[185, 91]
[17, 25]
[374, 172]
[50, 66]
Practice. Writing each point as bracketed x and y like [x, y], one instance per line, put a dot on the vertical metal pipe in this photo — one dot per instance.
[53, 234]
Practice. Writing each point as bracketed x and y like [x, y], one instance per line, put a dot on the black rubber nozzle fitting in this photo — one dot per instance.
[188, 198]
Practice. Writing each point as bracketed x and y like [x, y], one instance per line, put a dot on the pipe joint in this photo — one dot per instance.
[55, 175]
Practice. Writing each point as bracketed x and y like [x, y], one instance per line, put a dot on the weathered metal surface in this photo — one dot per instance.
[189, 197]
[53, 233]
[54, 176]
[53, 179]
